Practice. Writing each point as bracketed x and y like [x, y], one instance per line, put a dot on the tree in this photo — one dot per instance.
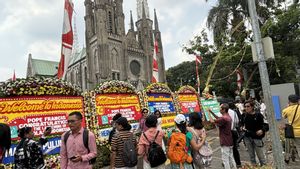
[283, 27]
[229, 13]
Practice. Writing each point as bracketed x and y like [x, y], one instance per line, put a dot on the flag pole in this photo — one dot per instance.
[198, 78]
[198, 61]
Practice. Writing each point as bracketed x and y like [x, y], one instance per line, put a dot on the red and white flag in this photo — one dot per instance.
[67, 40]
[199, 59]
[155, 63]
[239, 80]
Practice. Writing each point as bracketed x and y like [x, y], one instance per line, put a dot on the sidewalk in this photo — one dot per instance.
[213, 139]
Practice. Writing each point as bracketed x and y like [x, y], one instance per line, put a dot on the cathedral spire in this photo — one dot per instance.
[131, 21]
[142, 5]
[155, 21]
[143, 12]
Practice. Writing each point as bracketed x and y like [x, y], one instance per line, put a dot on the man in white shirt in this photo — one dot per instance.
[235, 136]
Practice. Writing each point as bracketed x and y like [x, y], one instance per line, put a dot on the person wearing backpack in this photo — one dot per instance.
[180, 144]
[28, 152]
[150, 145]
[123, 147]
[202, 153]
[78, 146]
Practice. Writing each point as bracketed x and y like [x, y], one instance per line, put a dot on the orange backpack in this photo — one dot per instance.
[177, 150]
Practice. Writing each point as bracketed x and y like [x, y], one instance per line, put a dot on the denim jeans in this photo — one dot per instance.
[255, 146]
[227, 157]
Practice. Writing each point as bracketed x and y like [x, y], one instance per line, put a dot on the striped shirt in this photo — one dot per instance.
[117, 146]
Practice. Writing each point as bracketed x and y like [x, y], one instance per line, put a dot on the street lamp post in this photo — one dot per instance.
[264, 77]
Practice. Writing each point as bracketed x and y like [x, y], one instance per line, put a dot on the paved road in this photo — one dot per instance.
[213, 140]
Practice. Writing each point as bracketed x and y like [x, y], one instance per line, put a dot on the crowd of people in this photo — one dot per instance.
[185, 145]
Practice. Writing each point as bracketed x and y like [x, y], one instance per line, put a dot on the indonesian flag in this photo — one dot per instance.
[155, 64]
[67, 40]
[239, 80]
[198, 61]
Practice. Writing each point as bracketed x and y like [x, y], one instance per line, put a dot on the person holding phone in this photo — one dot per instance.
[73, 152]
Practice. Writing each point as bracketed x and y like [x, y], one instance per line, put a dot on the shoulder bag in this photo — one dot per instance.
[289, 130]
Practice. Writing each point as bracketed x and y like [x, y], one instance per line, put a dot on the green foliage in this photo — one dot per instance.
[283, 27]
[229, 13]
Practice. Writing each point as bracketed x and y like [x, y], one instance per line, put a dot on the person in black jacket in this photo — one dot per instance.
[28, 154]
[253, 125]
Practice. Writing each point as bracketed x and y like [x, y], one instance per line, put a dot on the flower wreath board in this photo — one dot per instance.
[188, 100]
[29, 102]
[38, 112]
[158, 96]
[114, 97]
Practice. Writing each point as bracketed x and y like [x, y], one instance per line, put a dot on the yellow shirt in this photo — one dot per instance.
[289, 114]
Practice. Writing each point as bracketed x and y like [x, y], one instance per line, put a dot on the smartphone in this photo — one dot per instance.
[48, 128]
[72, 158]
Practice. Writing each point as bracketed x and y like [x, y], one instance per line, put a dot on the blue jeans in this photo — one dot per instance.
[255, 146]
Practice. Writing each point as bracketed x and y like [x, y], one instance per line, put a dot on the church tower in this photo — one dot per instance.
[111, 54]
[145, 34]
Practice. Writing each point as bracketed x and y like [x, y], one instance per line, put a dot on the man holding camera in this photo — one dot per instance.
[253, 125]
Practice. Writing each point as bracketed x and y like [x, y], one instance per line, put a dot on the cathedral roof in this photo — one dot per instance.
[44, 67]
[78, 56]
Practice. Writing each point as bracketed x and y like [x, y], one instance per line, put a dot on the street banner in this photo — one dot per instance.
[108, 105]
[213, 104]
[38, 112]
[189, 103]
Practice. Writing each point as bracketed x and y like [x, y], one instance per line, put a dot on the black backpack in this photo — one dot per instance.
[156, 155]
[85, 142]
[129, 154]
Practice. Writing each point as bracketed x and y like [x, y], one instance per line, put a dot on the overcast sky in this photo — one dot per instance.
[35, 26]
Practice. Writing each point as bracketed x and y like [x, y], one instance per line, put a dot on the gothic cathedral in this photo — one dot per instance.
[110, 53]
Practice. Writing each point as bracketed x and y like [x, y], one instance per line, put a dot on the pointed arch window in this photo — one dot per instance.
[85, 77]
[96, 61]
[110, 22]
[114, 59]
